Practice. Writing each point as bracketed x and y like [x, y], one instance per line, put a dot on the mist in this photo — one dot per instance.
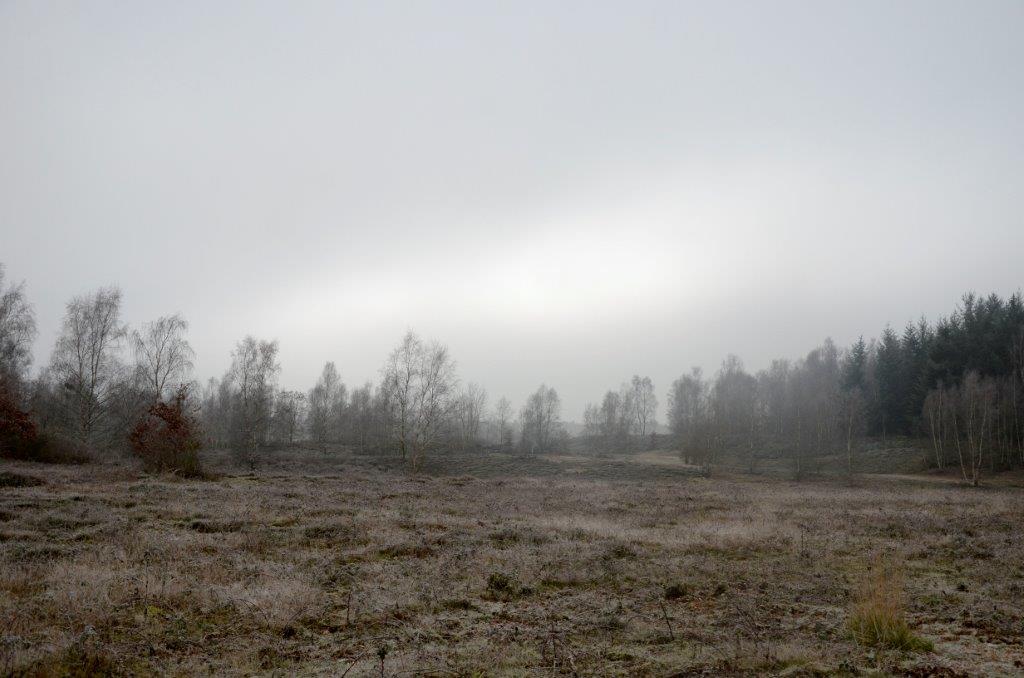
[585, 192]
[511, 339]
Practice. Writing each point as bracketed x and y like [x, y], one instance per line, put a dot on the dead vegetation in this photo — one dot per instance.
[878, 619]
[336, 566]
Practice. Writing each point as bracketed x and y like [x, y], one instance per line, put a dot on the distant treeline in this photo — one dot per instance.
[108, 385]
[958, 382]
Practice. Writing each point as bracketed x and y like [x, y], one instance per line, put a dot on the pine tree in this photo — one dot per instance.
[855, 366]
[889, 374]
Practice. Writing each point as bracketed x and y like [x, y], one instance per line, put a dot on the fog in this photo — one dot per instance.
[567, 194]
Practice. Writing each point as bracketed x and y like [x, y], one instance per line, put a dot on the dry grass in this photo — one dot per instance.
[320, 564]
[877, 618]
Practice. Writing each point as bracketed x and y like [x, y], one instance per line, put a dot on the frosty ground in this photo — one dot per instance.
[332, 563]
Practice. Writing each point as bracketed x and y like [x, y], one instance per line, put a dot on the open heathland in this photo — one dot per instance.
[492, 564]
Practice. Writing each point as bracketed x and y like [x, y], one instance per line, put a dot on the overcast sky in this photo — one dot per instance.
[562, 192]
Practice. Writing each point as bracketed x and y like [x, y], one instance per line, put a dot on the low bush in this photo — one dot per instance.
[21, 439]
[16, 426]
[168, 439]
[53, 448]
[502, 586]
[676, 591]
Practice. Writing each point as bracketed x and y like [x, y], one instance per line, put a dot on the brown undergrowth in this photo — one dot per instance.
[330, 564]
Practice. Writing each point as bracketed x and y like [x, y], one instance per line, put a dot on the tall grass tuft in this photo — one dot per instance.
[877, 617]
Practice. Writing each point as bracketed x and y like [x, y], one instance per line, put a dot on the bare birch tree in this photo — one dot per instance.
[851, 409]
[163, 357]
[503, 421]
[469, 413]
[936, 413]
[541, 420]
[644, 405]
[419, 382]
[252, 376]
[977, 399]
[326, 401]
[688, 416]
[17, 332]
[286, 421]
[86, 361]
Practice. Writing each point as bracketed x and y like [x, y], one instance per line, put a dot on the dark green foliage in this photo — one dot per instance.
[890, 374]
[855, 367]
[980, 336]
[984, 335]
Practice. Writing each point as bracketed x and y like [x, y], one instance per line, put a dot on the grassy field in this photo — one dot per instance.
[336, 564]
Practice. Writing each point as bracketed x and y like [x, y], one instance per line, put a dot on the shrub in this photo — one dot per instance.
[877, 618]
[501, 582]
[21, 439]
[501, 586]
[167, 438]
[676, 591]
[16, 426]
[52, 448]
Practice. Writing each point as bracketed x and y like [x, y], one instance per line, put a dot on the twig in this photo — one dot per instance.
[353, 664]
[664, 613]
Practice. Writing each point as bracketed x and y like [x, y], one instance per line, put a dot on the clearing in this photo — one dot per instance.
[493, 564]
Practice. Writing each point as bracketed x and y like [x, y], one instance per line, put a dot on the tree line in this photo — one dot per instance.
[957, 383]
[105, 382]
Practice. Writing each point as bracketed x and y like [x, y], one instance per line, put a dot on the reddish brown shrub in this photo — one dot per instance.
[167, 438]
[17, 430]
[20, 439]
[15, 425]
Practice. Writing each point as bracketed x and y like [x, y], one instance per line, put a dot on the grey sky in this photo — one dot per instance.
[561, 192]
